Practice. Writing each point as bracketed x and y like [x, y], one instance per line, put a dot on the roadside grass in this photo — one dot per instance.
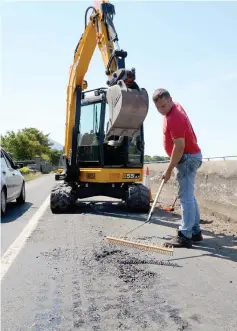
[32, 176]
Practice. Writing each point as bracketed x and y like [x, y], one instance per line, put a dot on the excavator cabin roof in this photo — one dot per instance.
[93, 96]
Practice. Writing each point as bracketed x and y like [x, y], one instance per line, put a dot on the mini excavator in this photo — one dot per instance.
[104, 134]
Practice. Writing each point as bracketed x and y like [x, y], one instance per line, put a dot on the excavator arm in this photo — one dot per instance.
[128, 104]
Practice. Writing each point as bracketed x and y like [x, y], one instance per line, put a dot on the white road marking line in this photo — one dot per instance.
[15, 248]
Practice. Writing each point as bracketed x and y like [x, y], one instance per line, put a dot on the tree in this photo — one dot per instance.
[55, 156]
[147, 158]
[157, 158]
[25, 144]
[45, 157]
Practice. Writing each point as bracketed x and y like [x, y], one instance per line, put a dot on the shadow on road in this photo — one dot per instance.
[14, 211]
[219, 246]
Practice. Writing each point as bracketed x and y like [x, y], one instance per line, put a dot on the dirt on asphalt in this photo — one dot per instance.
[112, 290]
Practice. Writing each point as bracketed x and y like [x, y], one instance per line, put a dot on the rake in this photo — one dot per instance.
[135, 244]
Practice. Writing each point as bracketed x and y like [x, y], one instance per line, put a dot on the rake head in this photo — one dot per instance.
[154, 248]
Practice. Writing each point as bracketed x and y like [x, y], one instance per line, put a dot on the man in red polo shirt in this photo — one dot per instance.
[181, 146]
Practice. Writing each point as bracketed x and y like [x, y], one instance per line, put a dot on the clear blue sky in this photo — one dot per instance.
[189, 48]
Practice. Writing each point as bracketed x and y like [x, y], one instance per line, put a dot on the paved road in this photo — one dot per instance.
[67, 277]
[17, 217]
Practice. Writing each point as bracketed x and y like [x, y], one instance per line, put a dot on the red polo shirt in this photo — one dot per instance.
[177, 125]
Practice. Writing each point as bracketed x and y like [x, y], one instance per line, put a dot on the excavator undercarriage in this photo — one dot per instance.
[104, 144]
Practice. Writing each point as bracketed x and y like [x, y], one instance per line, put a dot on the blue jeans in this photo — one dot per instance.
[186, 178]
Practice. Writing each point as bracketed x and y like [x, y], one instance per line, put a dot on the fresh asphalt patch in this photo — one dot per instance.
[112, 290]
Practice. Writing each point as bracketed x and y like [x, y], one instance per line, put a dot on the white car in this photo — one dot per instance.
[12, 182]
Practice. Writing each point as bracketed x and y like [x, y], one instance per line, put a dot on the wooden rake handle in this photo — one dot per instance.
[156, 198]
[151, 211]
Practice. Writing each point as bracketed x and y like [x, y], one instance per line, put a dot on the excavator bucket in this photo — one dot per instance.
[128, 109]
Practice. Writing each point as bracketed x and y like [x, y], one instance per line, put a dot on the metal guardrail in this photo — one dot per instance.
[165, 161]
[219, 157]
[204, 158]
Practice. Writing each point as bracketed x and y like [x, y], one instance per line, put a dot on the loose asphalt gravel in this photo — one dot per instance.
[67, 276]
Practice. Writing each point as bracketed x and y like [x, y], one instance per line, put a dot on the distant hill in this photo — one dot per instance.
[56, 145]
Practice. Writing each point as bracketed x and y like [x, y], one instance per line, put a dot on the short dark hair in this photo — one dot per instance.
[160, 93]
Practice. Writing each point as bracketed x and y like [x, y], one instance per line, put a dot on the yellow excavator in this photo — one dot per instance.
[104, 135]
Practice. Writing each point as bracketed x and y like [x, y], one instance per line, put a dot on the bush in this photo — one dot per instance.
[24, 171]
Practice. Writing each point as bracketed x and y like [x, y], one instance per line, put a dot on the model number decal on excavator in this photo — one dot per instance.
[131, 176]
[90, 175]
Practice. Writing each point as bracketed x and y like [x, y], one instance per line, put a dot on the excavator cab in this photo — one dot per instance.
[104, 141]
[107, 156]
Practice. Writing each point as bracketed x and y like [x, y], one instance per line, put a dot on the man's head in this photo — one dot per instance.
[162, 100]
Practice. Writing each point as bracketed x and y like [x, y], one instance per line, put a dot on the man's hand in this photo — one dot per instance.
[166, 175]
[177, 152]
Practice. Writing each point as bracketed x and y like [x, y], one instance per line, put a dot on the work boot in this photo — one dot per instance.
[197, 237]
[179, 241]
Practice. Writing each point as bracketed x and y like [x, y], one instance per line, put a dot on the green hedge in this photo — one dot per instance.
[25, 170]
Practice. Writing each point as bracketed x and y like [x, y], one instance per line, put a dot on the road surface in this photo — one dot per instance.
[67, 277]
